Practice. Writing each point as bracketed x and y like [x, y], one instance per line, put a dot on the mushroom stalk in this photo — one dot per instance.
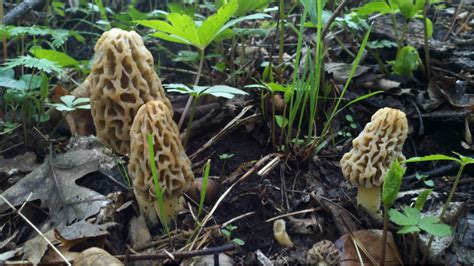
[369, 198]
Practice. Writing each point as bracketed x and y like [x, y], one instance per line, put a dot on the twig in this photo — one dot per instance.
[333, 17]
[35, 228]
[290, 214]
[454, 21]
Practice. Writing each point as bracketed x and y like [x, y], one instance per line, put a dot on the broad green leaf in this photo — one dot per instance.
[413, 214]
[408, 229]
[281, 121]
[32, 81]
[407, 61]
[374, 7]
[432, 227]
[421, 200]
[211, 27]
[68, 100]
[399, 218]
[274, 87]
[246, 6]
[185, 28]
[7, 73]
[464, 159]
[60, 58]
[170, 38]
[11, 83]
[392, 183]
[434, 157]
[238, 20]
[186, 56]
[429, 27]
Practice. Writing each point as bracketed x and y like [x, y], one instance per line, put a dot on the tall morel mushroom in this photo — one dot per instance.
[122, 79]
[173, 166]
[376, 147]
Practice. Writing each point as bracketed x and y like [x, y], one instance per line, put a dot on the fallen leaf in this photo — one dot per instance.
[54, 184]
[341, 71]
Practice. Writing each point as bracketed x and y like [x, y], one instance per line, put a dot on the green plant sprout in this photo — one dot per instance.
[425, 178]
[205, 181]
[390, 189]
[181, 28]
[159, 191]
[68, 104]
[462, 161]
[197, 92]
[225, 157]
[227, 232]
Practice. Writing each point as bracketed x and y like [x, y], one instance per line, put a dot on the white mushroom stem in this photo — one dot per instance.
[369, 198]
[280, 234]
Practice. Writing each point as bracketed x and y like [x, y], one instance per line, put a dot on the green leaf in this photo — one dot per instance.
[407, 61]
[413, 214]
[399, 218]
[429, 27]
[11, 83]
[32, 81]
[238, 241]
[281, 121]
[224, 91]
[246, 6]
[432, 226]
[408, 229]
[421, 200]
[213, 24]
[392, 183]
[60, 58]
[464, 159]
[374, 7]
[186, 56]
[185, 28]
[31, 62]
[434, 157]
[274, 87]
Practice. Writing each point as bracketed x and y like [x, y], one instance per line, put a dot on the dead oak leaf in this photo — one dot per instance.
[54, 184]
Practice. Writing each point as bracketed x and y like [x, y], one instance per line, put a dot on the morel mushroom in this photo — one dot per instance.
[376, 147]
[323, 253]
[173, 166]
[122, 80]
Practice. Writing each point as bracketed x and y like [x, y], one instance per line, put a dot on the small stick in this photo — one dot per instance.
[35, 228]
[290, 214]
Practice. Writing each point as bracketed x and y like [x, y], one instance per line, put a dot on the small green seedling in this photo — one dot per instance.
[205, 181]
[407, 61]
[391, 187]
[427, 181]
[159, 191]
[412, 222]
[70, 103]
[227, 232]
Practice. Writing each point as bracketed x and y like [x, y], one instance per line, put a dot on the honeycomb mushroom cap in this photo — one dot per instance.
[121, 80]
[323, 253]
[376, 147]
[173, 165]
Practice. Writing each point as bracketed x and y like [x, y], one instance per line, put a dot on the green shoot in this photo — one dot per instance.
[205, 179]
[159, 192]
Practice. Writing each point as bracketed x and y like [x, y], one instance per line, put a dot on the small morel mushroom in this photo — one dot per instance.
[280, 234]
[121, 80]
[173, 166]
[323, 253]
[376, 147]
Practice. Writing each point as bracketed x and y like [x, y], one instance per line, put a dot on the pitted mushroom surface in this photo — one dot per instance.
[173, 165]
[373, 151]
[324, 252]
[121, 80]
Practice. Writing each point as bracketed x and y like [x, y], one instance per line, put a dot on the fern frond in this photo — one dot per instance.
[31, 62]
[59, 35]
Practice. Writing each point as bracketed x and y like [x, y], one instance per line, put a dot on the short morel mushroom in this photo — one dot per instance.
[373, 151]
[121, 80]
[323, 253]
[173, 166]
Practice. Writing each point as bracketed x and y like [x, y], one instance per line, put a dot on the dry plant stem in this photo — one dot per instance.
[425, 39]
[190, 100]
[336, 13]
[454, 20]
[35, 228]
[384, 236]
[281, 9]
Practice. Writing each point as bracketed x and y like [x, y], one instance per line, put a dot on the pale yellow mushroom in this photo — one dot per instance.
[280, 234]
[373, 151]
[173, 166]
[121, 80]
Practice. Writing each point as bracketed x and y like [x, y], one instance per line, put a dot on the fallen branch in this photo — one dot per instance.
[21, 10]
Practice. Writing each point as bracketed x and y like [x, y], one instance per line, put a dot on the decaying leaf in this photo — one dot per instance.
[341, 71]
[54, 184]
[20, 164]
